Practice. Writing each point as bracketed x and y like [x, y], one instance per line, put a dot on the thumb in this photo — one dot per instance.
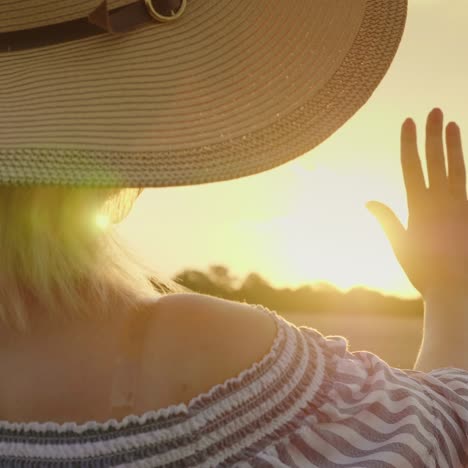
[389, 222]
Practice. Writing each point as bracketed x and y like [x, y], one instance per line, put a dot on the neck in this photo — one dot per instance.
[43, 328]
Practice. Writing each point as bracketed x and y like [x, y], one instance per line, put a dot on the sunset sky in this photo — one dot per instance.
[306, 221]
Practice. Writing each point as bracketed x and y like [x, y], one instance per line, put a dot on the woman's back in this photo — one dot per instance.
[306, 402]
[191, 343]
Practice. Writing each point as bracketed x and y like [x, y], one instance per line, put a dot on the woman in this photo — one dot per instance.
[99, 101]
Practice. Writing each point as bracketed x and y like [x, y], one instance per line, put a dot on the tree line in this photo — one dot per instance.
[313, 298]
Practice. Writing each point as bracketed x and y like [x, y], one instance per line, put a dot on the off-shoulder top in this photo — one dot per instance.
[308, 402]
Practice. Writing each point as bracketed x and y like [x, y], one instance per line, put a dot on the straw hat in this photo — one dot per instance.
[152, 93]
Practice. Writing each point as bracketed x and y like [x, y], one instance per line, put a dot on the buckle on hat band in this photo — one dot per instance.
[173, 12]
[118, 21]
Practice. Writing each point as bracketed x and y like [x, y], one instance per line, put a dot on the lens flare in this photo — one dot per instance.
[102, 221]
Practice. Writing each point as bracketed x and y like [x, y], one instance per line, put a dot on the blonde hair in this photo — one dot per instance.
[59, 251]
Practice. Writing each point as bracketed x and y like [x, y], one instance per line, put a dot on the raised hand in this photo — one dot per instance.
[433, 251]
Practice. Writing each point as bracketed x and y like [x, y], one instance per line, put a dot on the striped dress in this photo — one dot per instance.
[308, 403]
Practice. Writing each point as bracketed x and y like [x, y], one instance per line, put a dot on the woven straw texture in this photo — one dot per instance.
[231, 89]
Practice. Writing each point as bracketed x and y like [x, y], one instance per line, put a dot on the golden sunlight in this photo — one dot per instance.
[102, 221]
[328, 233]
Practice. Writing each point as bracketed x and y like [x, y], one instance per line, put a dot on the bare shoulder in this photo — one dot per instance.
[232, 334]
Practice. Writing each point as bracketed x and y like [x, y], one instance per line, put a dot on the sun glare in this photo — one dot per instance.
[329, 234]
[102, 221]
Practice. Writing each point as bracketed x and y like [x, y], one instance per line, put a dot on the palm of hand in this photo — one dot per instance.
[433, 251]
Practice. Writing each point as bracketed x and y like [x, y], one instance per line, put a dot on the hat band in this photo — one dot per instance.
[99, 21]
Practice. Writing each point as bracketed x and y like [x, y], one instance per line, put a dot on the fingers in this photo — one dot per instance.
[435, 152]
[439, 183]
[411, 165]
[456, 163]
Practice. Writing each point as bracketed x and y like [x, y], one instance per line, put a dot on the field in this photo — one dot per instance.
[394, 339]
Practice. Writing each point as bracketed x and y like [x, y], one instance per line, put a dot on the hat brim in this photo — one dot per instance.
[230, 89]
